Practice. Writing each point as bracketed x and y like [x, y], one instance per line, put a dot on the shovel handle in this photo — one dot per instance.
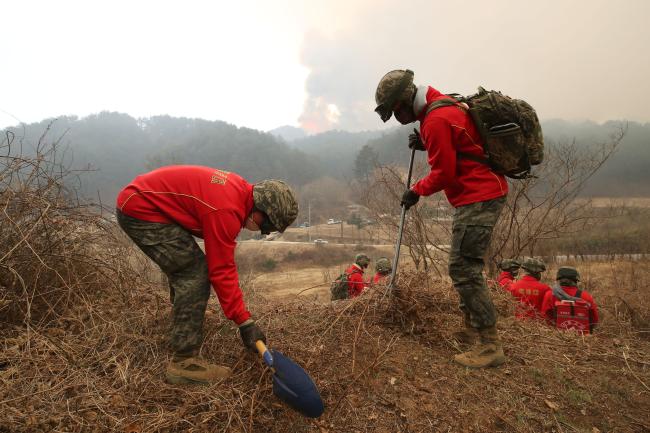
[261, 347]
[264, 352]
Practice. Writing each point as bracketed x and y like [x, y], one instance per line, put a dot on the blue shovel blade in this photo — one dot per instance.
[293, 385]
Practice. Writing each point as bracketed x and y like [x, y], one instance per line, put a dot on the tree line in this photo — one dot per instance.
[108, 149]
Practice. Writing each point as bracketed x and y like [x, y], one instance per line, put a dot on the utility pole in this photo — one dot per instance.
[309, 219]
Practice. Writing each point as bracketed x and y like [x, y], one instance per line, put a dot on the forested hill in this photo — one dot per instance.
[626, 173]
[254, 154]
[118, 147]
[335, 150]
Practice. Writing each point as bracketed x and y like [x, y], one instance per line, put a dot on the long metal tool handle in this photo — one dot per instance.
[400, 230]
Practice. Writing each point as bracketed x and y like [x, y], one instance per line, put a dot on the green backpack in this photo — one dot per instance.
[509, 128]
[339, 287]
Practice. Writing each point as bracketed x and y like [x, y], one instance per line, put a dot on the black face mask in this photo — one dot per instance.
[267, 226]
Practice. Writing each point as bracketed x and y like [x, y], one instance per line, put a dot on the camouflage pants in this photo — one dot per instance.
[471, 234]
[180, 258]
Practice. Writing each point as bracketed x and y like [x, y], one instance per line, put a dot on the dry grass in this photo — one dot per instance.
[643, 202]
[381, 366]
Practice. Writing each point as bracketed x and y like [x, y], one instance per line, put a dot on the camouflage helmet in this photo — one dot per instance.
[362, 260]
[390, 90]
[277, 201]
[533, 265]
[510, 265]
[383, 265]
[568, 273]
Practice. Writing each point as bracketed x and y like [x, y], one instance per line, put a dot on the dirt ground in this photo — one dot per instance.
[382, 364]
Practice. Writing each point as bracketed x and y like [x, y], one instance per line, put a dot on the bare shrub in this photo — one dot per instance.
[545, 207]
[54, 249]
[426, 228]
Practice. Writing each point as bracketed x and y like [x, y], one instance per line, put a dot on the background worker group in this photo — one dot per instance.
[541, 301]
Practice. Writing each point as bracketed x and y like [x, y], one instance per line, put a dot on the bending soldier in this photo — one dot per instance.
[529, 290]
[509, 269]
[354, 275]
[163, 210]
[567, 289]
[383, 268]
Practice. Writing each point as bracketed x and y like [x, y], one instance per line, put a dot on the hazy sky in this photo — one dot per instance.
[316, 64]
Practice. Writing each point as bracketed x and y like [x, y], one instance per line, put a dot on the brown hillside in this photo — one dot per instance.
[382, 366]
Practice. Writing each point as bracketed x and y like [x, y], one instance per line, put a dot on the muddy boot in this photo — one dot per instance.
[489, 353]
[467, 335]
[195, 370]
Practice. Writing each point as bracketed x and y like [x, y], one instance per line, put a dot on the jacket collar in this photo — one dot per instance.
[423, 97]
[420, 101]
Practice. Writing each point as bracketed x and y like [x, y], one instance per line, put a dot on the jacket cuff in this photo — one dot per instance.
[416, 189]
[242, 318]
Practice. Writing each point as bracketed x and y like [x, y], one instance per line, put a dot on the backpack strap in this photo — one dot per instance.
[591, 313]
[448, 102]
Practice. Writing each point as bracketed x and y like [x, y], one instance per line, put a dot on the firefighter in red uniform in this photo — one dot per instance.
[566, 289]
[529, 290]
[383, 268]
[509, 269]
[163, 210]
[478, 194]
[354, 275]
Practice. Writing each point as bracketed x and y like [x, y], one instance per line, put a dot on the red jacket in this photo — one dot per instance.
[505, 279]
[530, 293]
[548, 303]
[380, 279]
[355, 280]
[211, 204]
[444, 132]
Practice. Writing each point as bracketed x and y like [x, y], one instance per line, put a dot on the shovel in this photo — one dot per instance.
[400, 231]
[291, 383]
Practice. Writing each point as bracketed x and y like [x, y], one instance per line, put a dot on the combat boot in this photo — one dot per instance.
[489, 353]
[467, 335]
[194, 370]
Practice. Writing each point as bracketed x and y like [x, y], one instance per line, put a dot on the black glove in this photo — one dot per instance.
[415, 141]
[409, 198]
[250, 333]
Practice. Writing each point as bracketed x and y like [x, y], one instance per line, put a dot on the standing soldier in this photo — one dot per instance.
[163, 210]
[383, 268]
[509, 269]
[529, 290]
[477, 193]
